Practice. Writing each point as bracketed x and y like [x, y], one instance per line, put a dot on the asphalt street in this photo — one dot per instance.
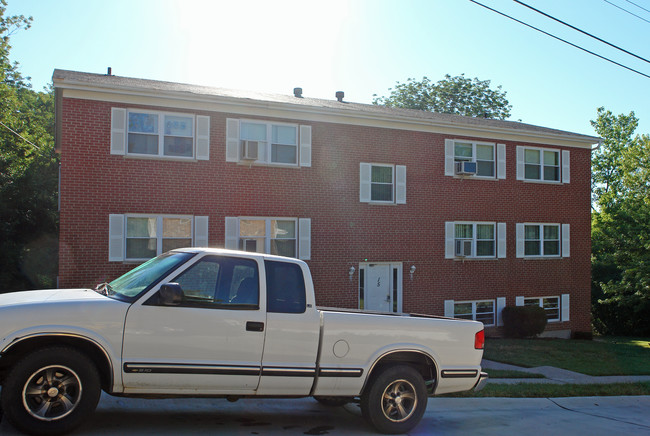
[445, 416]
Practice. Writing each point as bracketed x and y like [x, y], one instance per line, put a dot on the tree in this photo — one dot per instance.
[621, 227]
[452, 95]
[28, 173]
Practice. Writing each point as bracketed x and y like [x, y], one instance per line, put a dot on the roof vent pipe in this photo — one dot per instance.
[297, 92]
[340, 95]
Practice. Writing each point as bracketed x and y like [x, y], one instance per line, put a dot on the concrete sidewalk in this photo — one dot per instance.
[558, 376]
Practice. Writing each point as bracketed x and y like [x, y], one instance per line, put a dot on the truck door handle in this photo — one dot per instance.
[253, 326]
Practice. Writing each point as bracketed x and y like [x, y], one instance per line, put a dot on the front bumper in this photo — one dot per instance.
[482, 381]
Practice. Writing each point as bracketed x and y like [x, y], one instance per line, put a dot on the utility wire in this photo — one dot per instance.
[560, 39]
[625, 10]
[21, 137]
[640, 7]
[582, 31]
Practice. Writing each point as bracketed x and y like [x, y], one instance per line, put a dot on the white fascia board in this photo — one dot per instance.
[251, 107]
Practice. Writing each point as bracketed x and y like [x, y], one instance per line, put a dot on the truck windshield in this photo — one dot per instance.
[142, 278]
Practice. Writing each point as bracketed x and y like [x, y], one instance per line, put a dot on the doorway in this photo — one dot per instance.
[380, 287]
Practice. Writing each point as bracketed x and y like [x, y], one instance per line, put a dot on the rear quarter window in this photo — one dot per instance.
[285, 288]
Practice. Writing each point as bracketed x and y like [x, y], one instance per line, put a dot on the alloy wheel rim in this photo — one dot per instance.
[52, 393]
[399, 401]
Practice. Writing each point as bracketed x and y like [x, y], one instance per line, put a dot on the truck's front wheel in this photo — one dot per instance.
[396, 400]
[50, 391]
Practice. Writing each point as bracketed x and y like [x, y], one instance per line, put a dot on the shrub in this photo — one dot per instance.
[523, 321]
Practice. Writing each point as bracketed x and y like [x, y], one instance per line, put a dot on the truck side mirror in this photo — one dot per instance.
[171, 294]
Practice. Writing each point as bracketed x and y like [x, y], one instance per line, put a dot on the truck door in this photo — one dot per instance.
[211, 342]
[292, 332]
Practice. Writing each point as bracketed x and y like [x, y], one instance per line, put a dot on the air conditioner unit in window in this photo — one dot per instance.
[465, 167]
[249, 150]
[463, 247]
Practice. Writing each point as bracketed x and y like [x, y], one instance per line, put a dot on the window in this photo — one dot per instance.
[482, 311]
[268, 235]
[219, 282]
[480, 153]
[475, 239]
[382, 183]
[160, 134]
[285, 287]
[550, 304]
[543, 165]
[269, 143]
[541, 239]
[149, 236]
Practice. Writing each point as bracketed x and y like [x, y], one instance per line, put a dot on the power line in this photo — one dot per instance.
[625, 10]
[640, 7]
[20, 136]
[560, 39]
[582, 31]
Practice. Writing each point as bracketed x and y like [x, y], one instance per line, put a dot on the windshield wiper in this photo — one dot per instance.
[104, 289]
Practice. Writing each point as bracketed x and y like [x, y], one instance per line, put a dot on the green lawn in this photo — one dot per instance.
[539, 390]
[602, 356]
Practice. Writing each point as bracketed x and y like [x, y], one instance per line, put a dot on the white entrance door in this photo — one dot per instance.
[378, 288]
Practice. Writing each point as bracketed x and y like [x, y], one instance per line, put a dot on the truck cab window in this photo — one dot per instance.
[285, 287]
[219, 282]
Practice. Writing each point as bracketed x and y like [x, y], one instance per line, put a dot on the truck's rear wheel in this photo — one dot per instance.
[51, 391]
[396, 399]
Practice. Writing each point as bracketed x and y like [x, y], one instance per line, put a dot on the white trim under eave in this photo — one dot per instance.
[250, 107]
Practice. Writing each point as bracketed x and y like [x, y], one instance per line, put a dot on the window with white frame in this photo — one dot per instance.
[269, 142]
[160, 134]
[139, 237]
[551, 306]
[149, 236]
[482, 154]
[482, 310]
[269, 235]
[541, 164]
[475, 239]
[542, 240]
[382, 183]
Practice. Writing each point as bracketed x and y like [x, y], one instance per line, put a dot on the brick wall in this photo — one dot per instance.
[345, 232]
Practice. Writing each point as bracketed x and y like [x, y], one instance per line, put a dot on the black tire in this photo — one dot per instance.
[50, 391]
[395, 400]
[333, 401]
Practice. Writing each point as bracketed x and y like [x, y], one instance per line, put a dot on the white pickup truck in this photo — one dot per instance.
[217, 323]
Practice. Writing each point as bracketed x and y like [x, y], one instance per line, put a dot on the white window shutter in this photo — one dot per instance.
[364, 182]
[520, 239]
[115, 238]
[201, 231]
[501, 240]
[450, 236]
[449, 308]
[305, 146]
[449, 157]
[565, 307]
[501, 303]
[566, 240]
[400, 184]
[501, 161]
[232, 140]
[202, 137]
[118, 130]
[519, 301]
[232, 233]
[521, 169]
[304, 238]
[566, 166]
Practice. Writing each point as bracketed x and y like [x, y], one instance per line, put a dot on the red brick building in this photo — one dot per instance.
[393, 209]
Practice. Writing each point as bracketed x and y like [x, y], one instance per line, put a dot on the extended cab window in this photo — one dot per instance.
[285, 287]
[220, 283]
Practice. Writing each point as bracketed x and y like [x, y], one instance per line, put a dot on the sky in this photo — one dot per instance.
[361, 47]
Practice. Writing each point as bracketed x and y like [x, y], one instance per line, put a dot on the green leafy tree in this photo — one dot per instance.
[452, 95]
[621, 227]
[28, 173]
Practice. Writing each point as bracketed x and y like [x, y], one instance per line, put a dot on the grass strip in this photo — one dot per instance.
[539, 390]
